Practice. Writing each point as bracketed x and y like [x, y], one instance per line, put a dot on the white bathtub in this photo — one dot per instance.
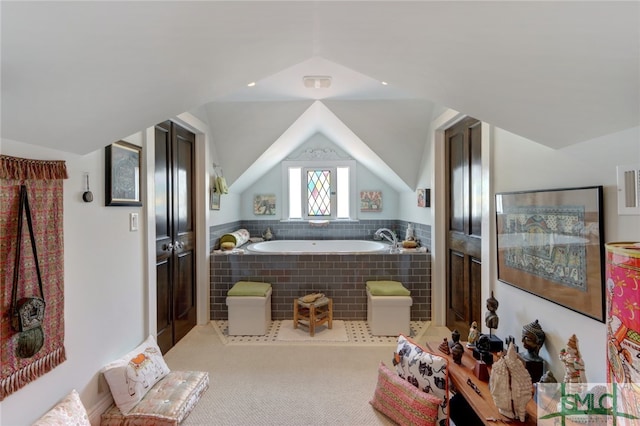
[318, 246]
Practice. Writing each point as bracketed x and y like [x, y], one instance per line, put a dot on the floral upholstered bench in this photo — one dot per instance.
[146, 392]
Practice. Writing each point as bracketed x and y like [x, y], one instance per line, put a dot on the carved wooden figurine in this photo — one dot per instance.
[491, 318]
[574, 375]
[532, 339]
[473, 335]
[456, 353]
[444, 346]
[510, 385]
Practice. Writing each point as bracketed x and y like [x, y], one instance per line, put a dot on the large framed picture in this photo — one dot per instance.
[122, 177]
[551, 244]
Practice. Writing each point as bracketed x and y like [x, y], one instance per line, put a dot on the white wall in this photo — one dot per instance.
[521, 164]
[104, 289]
[104, 278]
[366, 180]
[408, 201]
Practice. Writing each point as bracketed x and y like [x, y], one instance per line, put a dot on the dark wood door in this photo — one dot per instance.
[175, 233]
[464, 184]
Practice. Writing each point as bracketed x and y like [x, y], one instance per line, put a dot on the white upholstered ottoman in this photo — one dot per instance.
[249, 308]
[388, 308]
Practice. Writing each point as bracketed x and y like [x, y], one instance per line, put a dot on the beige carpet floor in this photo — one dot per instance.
[285, 384]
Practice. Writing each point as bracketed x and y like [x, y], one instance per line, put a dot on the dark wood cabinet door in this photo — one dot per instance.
[464, 236]
[175, 233]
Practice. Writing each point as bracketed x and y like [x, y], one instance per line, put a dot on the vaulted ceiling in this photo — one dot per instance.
[77, 76]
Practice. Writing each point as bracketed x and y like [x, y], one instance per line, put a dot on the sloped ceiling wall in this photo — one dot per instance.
[78, 75]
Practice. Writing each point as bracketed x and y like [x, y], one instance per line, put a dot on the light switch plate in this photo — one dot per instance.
[133, 222]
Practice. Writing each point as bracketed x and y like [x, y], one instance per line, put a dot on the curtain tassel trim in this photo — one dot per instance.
[24, 168]
[31, 372]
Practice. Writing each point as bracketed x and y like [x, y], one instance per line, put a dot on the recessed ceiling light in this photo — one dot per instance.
[384, 83]
[252, 84]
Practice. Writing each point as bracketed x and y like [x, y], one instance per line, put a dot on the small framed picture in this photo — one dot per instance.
[421, 197]
[370, 201]
[264, 205]
[424, 197]
[214, 199]
[122, 169]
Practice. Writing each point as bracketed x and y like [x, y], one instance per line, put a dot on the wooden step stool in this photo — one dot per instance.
[314, 313]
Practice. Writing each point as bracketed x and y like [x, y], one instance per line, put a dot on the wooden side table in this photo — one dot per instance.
[314, 313]
[476, 391]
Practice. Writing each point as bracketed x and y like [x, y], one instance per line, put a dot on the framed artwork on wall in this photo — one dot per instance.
[421, 197]
[122, 174]
[264, 205]
[551, 244]
[370, 201]
[214, 199]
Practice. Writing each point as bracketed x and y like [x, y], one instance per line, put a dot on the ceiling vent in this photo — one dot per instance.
[317, 81]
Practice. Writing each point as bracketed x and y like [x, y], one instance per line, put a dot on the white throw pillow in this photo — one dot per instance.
[69, 411]
[425, 370]
[131, 376]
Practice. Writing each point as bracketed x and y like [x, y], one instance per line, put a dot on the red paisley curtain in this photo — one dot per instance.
[43, 180]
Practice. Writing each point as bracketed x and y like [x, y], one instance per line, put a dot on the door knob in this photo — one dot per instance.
[167, 247]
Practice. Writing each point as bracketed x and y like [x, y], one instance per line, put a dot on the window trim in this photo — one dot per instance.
[319, 164]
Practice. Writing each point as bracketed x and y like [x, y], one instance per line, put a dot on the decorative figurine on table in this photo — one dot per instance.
[483, 356]
[491, 321]
[473, 335]
[511, 341]
[510, 386]
[482, 351]
[444, 346]
[456, 353]
[532, 339]
[574, 376]
[455, 338]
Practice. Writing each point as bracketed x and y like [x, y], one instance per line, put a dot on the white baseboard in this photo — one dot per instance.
[100, 407]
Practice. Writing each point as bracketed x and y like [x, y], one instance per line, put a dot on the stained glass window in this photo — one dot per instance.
[319, 192]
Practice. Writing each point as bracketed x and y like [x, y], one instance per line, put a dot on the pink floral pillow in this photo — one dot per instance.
[426, 371]
[402, 402]
[69, 411]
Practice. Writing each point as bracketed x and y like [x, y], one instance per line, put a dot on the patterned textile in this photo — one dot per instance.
[69, 411]
[426, 371]
[168, 403]
[133, 375]
[402, 402]
[540, 251]
[238, 237]
[44, 186]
